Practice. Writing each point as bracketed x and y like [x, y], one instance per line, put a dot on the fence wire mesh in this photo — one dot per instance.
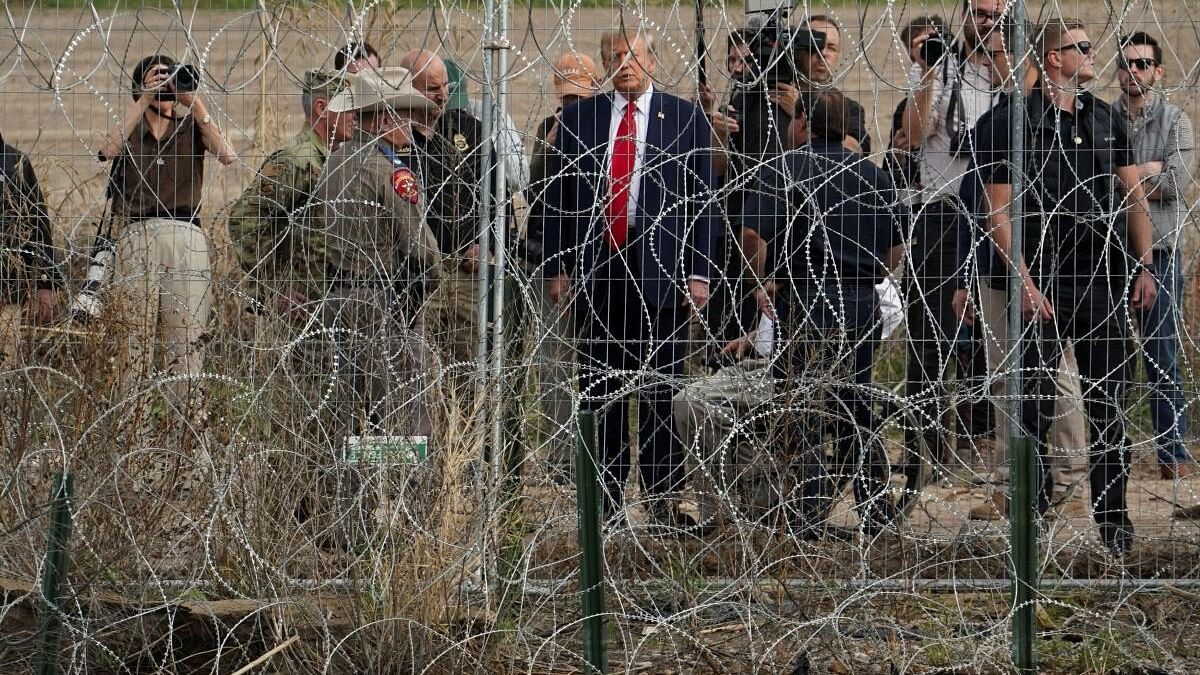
[314, 339]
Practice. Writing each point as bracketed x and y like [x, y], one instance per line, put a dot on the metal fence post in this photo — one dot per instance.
[54, 572]
[591, 568]
[1022, 448]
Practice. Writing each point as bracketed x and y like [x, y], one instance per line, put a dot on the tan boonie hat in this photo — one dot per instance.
[380, 88]
[575, 74]
[324, 84]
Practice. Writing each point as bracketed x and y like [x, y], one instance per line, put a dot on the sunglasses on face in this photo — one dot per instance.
[1083, 46]
[1139, 64]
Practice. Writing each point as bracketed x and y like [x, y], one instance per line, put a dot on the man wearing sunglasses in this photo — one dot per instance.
[1164, 150]
[952, 88]
[1079, 261]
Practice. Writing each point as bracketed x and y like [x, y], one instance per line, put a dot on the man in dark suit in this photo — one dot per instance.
[631, 219]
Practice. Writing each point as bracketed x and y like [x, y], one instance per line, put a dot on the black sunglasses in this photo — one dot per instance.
[1140, 64]
[1083, 46]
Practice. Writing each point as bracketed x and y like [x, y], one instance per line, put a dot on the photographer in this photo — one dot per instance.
[763, 64]
[951, 89]
[155, 188]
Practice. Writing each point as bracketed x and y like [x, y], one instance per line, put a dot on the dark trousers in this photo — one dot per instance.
[933, 330]
[1089, 312]
[1159, 328]
[629, 349]
[829, 360]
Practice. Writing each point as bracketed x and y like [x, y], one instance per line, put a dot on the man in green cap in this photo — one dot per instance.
[269, 221]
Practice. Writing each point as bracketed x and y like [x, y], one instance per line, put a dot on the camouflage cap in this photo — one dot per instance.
[324, 83]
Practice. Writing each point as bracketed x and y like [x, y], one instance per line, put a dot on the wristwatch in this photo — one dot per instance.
[1149, 267]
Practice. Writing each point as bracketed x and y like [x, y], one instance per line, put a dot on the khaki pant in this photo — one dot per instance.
[1068, 433]
[164, 279]
[714, 417]
[554, 335]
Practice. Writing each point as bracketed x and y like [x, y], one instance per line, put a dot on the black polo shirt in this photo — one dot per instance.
[829, 216]
[1074, 223]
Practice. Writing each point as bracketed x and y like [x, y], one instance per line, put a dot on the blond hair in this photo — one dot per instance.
[1052, 33]
[620, 35]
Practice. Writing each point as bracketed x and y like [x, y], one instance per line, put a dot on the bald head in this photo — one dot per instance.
[429, 76]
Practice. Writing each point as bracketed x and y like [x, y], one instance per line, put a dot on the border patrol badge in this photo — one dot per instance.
[460, 142]
[404, 182]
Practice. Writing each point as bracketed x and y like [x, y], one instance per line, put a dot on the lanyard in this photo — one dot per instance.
[391, 155]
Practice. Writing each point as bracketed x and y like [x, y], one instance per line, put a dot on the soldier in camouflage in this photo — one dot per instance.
[275, 228]
[28, 274]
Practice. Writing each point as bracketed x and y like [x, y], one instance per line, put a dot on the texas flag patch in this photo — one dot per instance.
[404, 182]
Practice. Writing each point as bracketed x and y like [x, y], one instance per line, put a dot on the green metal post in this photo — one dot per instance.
[511, 517]
[591, 568]
[1022, 448]
[54, 572]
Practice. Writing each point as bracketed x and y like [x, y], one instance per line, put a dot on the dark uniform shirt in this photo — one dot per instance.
[1074, 224]
[160, 178]
[26, 243]
[762, 135]
[829, 215]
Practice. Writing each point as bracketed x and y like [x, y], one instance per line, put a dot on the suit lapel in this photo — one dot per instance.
[654, 130]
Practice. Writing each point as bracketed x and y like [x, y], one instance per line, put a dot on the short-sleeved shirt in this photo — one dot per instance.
[1074, 223]
[160, 178]
[762, 136]
[829, 216]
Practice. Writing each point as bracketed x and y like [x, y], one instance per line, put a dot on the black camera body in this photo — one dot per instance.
[773, 49]
[183, 79]
[934, 49]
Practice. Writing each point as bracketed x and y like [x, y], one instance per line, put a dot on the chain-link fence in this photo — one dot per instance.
[311, 337]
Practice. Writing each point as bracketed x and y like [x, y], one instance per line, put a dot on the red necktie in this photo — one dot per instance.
[623, 154]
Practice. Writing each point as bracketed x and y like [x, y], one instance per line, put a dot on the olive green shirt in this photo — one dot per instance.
[373, 232]
[276, 228]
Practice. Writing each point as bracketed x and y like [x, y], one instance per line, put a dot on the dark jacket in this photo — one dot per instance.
[676, 210]
[26, 243]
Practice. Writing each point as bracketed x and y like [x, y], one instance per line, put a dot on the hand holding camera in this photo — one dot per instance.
[171, 83]
[929, 50]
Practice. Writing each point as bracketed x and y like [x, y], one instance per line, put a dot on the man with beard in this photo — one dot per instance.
[1164, 150]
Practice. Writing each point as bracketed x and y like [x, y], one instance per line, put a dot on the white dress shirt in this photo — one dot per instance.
[641, 120]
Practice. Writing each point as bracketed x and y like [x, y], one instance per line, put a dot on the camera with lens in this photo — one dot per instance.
[183, 78]
[774, 45]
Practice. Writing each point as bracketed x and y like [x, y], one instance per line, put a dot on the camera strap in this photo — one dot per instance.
[956, 112]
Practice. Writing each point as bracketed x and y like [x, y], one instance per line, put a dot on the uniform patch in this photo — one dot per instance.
[404, 182]
[273, 169]
[460, 142]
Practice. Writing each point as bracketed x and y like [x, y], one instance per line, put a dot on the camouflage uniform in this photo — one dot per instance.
[26, 245]
[275, 230]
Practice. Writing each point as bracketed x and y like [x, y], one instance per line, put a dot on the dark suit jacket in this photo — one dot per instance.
[675, 229]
